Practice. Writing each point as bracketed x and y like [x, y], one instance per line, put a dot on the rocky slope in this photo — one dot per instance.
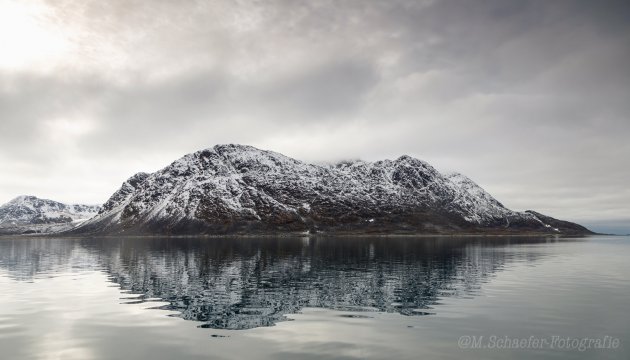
[565, 227]
[31, 215]
[241, 189]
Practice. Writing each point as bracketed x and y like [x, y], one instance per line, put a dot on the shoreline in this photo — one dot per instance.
[300, 235]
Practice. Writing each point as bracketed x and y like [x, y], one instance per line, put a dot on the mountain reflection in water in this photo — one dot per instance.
[242, 283]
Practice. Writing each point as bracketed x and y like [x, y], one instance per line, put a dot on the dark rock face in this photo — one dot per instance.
[240, 189]
[31, 215]
[125, 191]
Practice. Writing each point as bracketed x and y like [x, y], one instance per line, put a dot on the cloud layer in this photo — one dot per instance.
[529, 98]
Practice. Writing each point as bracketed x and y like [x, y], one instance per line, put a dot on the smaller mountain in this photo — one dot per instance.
[32, 215]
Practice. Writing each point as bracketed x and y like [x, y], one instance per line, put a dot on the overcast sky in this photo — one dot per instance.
[531, 99]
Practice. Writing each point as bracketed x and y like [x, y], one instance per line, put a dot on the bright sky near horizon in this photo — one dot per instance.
[531, 99]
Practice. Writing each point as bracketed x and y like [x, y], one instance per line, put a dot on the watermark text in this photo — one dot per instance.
[556, 342]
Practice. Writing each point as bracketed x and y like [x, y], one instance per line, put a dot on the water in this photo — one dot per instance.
[301, 298]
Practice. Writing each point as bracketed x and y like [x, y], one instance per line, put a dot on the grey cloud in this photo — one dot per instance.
[332, 90]
[27, 101]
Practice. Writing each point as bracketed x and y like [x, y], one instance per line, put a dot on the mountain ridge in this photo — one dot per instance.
[239, 189]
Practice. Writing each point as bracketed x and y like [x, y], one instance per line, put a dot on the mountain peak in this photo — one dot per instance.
[234, 147]
[22, 198]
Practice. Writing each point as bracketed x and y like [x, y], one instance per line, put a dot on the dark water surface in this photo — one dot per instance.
[314, 298]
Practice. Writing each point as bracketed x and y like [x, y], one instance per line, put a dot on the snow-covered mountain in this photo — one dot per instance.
[241, 189]
[29, 214]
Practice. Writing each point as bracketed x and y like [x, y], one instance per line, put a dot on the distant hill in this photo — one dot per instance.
[32, 215]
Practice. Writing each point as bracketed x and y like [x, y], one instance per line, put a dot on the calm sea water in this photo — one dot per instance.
[301, 298]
